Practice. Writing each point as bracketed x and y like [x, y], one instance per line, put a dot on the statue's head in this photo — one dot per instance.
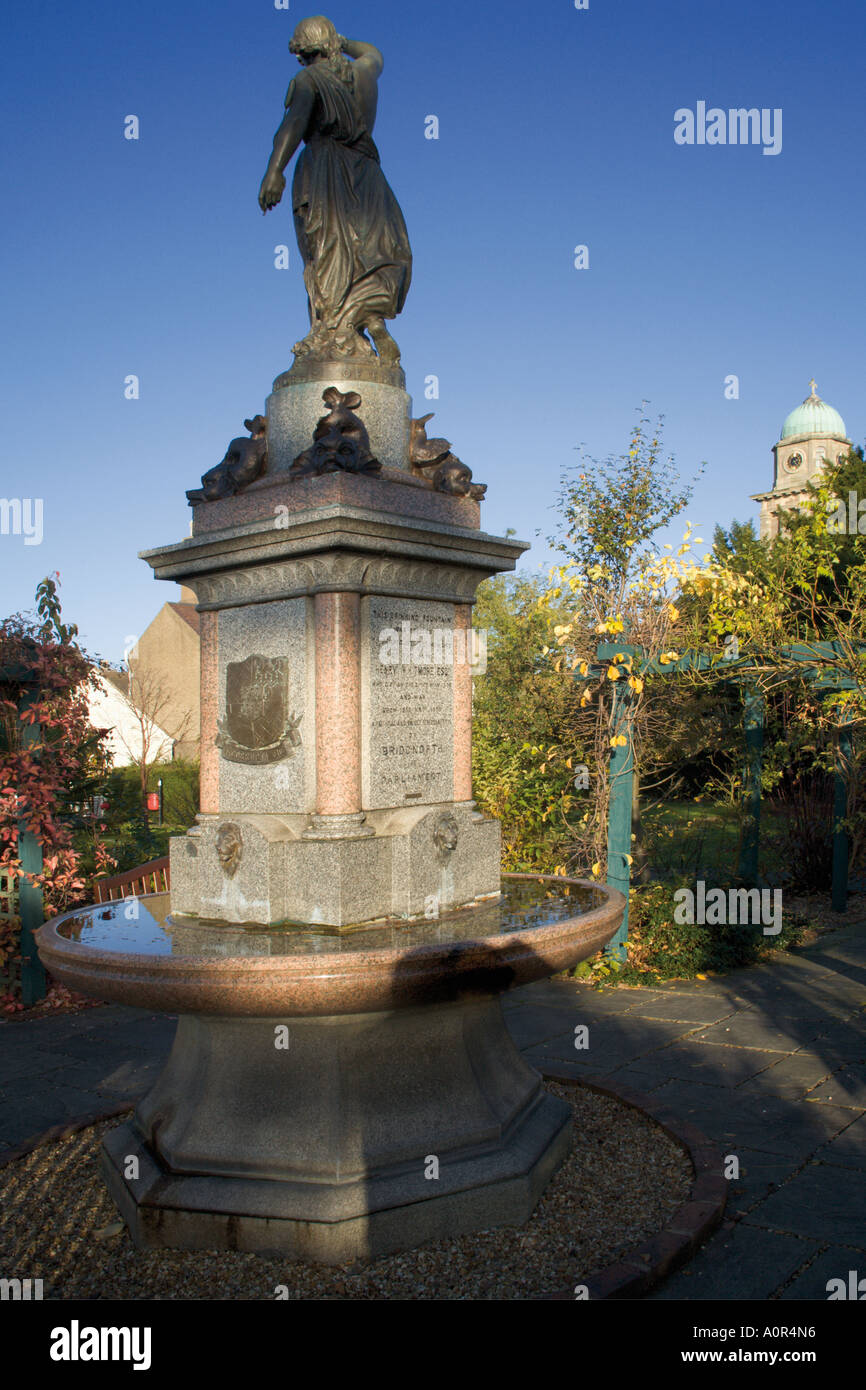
[315, 36]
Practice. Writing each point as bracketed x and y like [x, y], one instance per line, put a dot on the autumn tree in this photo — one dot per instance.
[624, 585]
[51, 760]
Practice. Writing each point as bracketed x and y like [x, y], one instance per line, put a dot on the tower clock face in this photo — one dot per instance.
[793, 462]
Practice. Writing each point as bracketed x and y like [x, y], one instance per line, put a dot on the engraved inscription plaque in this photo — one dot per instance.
[407, 703]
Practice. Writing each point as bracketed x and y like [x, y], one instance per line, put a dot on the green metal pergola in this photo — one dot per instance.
[818, 656]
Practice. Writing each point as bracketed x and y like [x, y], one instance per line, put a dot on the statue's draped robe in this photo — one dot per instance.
[351, 233]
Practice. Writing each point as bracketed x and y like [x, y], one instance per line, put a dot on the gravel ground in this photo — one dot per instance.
[621, 1183]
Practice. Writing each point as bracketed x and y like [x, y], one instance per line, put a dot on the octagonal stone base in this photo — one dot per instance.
[359, 1135]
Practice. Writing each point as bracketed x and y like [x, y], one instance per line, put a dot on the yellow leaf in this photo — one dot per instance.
[596, 869]
[613, 674]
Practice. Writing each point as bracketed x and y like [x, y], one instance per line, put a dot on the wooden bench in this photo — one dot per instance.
[134, 883]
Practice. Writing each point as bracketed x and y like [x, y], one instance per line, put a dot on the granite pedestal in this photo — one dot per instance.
[360, 806]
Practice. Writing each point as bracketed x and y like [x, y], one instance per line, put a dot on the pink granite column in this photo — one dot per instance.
[209, 775]
[338, 704]
[463, 707]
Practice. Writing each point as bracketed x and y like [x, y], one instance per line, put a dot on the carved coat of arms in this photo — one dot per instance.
[258, 727]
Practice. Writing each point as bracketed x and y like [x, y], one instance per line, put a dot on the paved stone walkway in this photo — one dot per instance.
[769, 1062]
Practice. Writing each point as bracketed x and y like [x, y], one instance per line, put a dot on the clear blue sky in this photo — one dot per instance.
[556, 128]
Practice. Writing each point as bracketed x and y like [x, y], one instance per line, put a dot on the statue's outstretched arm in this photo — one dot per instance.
[286, 141]
[365, 52]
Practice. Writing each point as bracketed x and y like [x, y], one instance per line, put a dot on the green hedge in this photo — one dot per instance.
[129, 839]
[179, 788]
[660, 948]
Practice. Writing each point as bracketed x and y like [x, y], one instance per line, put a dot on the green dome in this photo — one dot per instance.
[814, 416]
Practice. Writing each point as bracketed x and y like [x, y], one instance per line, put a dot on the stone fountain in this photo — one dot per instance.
[338, 937]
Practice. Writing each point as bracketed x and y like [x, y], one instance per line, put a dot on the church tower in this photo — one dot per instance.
[811, 434]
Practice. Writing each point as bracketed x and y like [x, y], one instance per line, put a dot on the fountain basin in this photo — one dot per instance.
[183, 966]
[334, 1095]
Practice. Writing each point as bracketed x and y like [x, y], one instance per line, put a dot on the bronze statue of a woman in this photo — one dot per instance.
[350, 230]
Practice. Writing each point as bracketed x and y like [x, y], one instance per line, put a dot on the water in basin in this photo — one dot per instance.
[144, 926]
